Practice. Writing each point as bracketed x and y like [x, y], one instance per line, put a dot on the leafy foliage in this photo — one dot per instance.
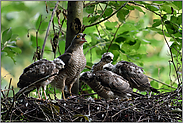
[8, 44]
[134, 33]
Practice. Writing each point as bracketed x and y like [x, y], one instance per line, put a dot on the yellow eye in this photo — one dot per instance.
[78, 36]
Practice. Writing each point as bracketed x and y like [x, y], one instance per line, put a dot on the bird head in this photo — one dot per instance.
[86, 76]
[79, 38]
[59, 63]
[107, 57]
[108, 67]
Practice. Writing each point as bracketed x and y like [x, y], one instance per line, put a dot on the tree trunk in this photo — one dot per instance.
[74, 26]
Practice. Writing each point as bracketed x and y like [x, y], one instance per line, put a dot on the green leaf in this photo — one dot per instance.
[172, 29]
[16, 50]
[41, 25]
[120, 39]
[178, 4]
[38, 21]
[108, 11]
[9, 53]
[159, 2]
[110, 25]
[14, 37]
[152, 7]
[156, 23]
[179, 21]
[90, 9]
[166, 8]
[154, 84]
[173, 19]
[129, 7]
[122, 14]
[175, 47]
[6, 35]
[115, 47]
[94, 18]
[139, 9]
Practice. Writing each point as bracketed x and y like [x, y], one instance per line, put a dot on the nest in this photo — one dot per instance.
[166, 107]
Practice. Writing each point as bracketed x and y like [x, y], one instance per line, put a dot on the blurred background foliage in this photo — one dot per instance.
[135, 32]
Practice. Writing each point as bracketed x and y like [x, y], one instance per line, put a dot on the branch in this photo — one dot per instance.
[48, 29]
[160, 82]
[114, 36]
[144, 7]
[89, 4]
[106, 17]
[102, 12]
[172, 60]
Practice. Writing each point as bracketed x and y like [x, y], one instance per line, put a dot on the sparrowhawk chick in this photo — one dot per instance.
[106, 58]
[133, 74]
[106, 83]
[75, 62]
[37, 71]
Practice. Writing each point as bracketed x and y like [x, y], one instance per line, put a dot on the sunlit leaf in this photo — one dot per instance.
[6, 35]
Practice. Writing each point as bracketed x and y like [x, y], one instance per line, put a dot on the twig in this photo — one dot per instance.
[95, 46]
[124, 109]
[106, 17]
[101, 13]
[144, 7]
[23, 89]
[9, 87]
[48, 28]
[114, 37]
[161, 82]
[46, 117]
[171, 54]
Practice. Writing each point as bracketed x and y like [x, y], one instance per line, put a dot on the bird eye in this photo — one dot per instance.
[78, 36]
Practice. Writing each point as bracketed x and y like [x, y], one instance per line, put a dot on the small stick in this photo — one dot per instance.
[9, 87]
[48, 28]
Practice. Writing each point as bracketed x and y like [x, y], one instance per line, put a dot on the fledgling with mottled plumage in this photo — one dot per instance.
[106, 83]
[106, 58]
[75, 62]
[133, 74]
[37, 71]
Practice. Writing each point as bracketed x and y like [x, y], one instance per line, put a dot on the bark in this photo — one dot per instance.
[74, 26]
[74, 20]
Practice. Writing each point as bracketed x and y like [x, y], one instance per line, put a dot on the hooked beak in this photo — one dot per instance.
[83, 39]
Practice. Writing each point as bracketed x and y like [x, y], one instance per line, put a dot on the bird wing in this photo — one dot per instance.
[66, 57]
[36, 71]
[115, 82]
[134, 74]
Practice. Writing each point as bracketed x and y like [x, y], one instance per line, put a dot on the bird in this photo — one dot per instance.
[106, 58]
[75, 62]
[108, 85]
[38, 70]
[133, 74]
[105, 83]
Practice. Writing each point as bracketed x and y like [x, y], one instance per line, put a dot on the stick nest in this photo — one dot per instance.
[166, 107]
